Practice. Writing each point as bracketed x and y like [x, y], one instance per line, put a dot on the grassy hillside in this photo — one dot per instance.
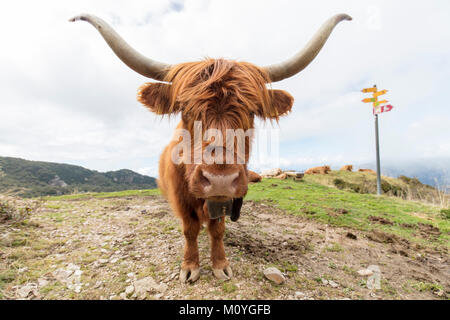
[431, 171]
[36, 178]
[366, 183]
[412, 220]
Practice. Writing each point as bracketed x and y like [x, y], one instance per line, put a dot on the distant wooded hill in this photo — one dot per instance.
[36, 178]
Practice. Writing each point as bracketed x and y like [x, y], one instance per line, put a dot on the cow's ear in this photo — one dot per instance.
[282, 103]
[157, 98]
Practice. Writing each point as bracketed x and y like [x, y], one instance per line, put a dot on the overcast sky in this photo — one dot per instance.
[65, 97]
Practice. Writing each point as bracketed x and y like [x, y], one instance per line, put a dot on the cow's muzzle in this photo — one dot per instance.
[231, 208]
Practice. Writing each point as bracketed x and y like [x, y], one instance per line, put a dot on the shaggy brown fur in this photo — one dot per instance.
[367, 170]
[254, 177]
[318, 170]
[347, 168]
[208, 90]
[222, 95]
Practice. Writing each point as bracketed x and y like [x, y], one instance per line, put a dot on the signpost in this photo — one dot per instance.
[378, 108]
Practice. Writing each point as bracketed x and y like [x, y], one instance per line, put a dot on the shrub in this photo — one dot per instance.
[16, 210]
[7, 211]
[411, 181]
[385, 186]
[445, 213]
[339, 183]
[357, 188]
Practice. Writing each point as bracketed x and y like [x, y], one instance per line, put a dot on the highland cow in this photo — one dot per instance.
[319, 170]
[254, 177]
[367, 170]
[213, 94]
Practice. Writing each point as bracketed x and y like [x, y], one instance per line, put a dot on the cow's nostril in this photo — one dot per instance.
[204, 180]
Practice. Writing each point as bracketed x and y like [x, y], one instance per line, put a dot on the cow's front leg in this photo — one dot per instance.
[221, 267]
[190, 268]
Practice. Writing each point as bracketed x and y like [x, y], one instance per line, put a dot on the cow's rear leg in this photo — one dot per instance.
[221, 266]
[190, 268]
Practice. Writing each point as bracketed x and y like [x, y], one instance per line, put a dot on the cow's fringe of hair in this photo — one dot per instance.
[218, 86]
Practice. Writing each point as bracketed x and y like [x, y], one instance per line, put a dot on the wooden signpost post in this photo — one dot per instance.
[378, 108]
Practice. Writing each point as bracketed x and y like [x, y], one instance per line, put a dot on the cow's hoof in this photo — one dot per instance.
[223, 274]
[189, 275]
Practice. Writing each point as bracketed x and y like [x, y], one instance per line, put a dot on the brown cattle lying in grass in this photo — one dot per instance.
[282, 176]
[279, 174]
[319, 170]
[347, 168]
[254, 177]
[367, 170]
[271, 173]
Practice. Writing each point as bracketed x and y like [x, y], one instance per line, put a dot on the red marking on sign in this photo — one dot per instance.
[382, 109]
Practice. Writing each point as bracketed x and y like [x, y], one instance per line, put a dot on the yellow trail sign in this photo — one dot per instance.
[379, 93]
[368, 100]
[376, 104]
[369, 90]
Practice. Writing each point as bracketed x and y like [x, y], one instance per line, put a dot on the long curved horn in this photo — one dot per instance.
[301, 60]
[133, 59]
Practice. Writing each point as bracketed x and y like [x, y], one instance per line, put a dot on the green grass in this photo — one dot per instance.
[118, 194]
[7, 276]
[335, 247]
[350, 209]
[426, 286]
[229, 287]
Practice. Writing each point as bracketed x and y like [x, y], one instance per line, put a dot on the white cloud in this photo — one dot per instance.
[67, 98]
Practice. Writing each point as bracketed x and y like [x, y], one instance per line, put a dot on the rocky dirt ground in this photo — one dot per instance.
[131, 248]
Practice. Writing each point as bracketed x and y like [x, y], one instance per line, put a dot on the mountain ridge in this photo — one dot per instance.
[27, 178]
